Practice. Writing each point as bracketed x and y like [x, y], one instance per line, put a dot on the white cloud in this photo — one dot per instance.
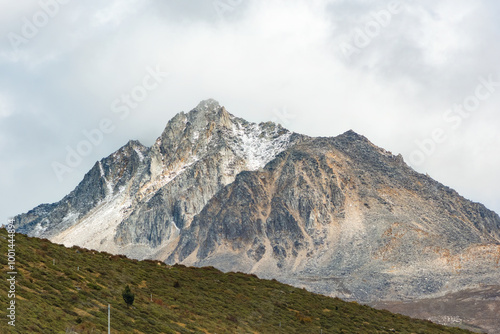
[259, 57]
[5, 107]
[116, 12]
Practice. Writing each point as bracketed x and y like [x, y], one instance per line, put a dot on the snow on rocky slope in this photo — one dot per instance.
[138, 199]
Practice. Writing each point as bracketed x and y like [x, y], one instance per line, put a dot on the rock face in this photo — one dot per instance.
[338, 215]
[107, 179]
[138, 199]
[342, 216]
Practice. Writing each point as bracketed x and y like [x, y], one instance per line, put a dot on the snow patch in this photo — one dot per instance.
[139, 153]
[174, 230]
[97, 229]
[39, 230]
[196, 135]
[70, 218]
[102, 170]
[109, 185]
[257, 146]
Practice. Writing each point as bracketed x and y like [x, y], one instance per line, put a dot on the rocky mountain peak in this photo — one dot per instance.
[193, 132]
[351, 137]
[133, 147]
[209, 115]
[207, 106]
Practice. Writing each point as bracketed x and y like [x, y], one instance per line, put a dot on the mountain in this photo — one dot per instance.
[68, 290]
[137, 200]
[338, 216]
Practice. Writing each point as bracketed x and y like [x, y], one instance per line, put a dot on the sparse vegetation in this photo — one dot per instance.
[128, 296]
[172, 299]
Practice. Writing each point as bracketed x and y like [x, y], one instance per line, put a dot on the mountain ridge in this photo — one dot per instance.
[205, 133]
[337, 215]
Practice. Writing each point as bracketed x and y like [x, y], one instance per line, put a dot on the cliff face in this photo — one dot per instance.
[107, 178]
[138, 199]
[338, 216]
[341, 216]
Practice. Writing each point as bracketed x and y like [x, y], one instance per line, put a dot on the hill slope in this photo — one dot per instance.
[66, 290]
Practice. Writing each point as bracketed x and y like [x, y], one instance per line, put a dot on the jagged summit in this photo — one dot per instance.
[134, 143]
[136, 200]
[352, 138]
[351, 133]
[209, 111]
[208, 105]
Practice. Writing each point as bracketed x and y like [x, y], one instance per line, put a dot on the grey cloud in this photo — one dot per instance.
[258, 57]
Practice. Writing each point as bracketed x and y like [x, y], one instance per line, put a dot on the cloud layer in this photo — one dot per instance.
[394, 72]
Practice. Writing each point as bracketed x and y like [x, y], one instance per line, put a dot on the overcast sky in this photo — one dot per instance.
[420, 78]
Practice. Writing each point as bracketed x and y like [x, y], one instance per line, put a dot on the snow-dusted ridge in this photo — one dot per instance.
[256, 150]
[141, 187]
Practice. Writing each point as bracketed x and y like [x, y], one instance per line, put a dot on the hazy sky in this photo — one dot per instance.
[420, 78]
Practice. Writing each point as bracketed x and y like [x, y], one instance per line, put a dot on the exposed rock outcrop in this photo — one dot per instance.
[344, 217]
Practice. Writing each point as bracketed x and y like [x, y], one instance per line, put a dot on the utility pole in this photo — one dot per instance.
[109, 319]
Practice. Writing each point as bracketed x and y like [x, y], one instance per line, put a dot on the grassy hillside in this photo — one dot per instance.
[72, 296]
